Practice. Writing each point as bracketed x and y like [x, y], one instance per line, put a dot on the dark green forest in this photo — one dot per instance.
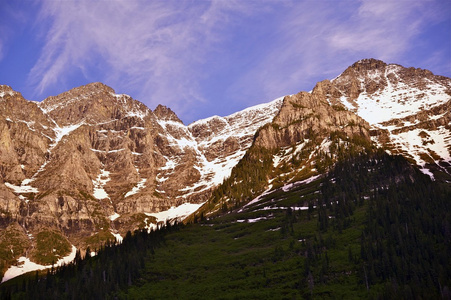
[374, 228]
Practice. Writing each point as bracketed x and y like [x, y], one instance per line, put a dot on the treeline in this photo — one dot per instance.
[403, 250]
[114, 267]
[395, 220]
[248, 178]
[406, 241]
[351, 182]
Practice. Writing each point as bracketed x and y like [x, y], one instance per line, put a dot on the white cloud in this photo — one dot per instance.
[157, 47]
[382, 28]
[318, 39]
[168, 50]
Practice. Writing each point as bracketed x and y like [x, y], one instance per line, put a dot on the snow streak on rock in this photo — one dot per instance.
[99, 184]
[411, 104]
[179, 212]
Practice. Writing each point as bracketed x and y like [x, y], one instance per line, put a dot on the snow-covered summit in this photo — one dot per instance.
[413, 106]
[386, 92]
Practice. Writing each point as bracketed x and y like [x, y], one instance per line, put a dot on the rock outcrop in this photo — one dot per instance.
[306, 114]
[90, 163]
[408, 108]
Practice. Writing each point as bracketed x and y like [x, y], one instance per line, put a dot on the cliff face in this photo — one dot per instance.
[90, 163]
[305, 113]
[408, 108]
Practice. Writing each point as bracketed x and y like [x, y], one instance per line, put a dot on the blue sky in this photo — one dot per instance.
[204, 58]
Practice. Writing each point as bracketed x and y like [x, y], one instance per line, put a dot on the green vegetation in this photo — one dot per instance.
[50, 246]
[13, 242]
[99, 238]
[373, 228]
[248, 178]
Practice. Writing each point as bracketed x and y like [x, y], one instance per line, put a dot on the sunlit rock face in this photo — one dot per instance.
[409, 110]
[89, 163]
[90, 160]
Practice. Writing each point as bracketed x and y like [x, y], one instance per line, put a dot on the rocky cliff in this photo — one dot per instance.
[371, 104]
[89, 164]
[409, 110]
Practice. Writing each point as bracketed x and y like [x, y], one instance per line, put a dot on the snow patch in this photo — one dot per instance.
[347, 103]
[114, 216]
[63, 131]
[180, 212]
[3, 94]
[257, 199]
[413, 143]
[25, 265]
[290, 186]
[99, 184]
[118, 237]
[23, 188]
[252, 220]
[427, 172]
[137, 188]
[397, 99]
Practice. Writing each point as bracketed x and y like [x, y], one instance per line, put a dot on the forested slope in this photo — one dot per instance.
[375, 227]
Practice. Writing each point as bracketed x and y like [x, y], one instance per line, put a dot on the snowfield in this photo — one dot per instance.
[25, 265]
[180, 212]
[398, 100]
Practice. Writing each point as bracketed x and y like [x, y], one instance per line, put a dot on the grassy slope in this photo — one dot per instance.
[364, 241]
[228, 259]
[373, 242]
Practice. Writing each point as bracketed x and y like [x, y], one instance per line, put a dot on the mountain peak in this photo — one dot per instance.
[5, 88]
[365, 66]
[166, 114]
[369, 63]
[94, 102]
[92, 87]
[78, 93]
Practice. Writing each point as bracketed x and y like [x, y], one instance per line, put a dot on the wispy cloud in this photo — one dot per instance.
[318, 39]
[156, 47]
[382, 28]
[171, 51]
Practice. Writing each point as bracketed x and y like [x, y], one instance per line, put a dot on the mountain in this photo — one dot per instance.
[409, 110]
[89, 165]
[374, 227]
[371, 104]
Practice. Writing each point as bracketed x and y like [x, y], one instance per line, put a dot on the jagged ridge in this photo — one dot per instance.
[90, 163]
